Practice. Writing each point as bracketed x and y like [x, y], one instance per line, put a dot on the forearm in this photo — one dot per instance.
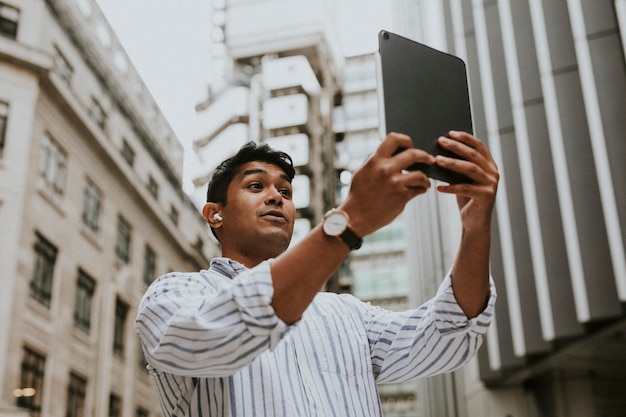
[301, 272]
[379, 192]
[470, 272]
[432, 339]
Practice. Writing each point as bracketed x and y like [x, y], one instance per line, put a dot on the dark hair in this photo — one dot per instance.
[225, 172]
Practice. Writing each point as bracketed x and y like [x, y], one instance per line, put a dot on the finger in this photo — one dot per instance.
[466, 138]
[414, 181]
[462, 150]
[470, 149]
[409, 157]
[458, 139]
[481, 194]
[392, 143]
[468, 168]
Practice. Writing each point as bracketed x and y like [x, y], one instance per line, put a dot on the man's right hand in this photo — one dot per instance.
[381, 187]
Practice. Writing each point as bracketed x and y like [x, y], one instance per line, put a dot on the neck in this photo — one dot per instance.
[249, 260]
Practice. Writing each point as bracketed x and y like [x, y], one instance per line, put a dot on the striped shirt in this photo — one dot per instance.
[215, 347]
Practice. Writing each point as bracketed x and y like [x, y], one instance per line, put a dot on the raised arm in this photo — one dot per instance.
[470, 271]
[379, 192]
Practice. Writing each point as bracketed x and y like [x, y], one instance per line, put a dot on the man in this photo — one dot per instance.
[254, 336]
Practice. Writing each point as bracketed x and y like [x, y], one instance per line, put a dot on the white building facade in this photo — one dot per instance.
[91, 210]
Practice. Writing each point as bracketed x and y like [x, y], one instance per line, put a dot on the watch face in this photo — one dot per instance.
[335, 224]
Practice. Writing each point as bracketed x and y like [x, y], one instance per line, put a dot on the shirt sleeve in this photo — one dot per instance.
[435, 338]
[197, 325]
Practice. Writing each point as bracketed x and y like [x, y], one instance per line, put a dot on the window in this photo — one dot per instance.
[128, 153]
[149, 265]
[121, 311]
[91, 206]
[85, 288]
[43, 270]
[153, 186]
[122, 246]
[76, 396]
[4, 115]
[141, 412]
[62, 66]
[174, 215]
[97, 113]
[52, 166]
[8, 20]
[31, 382]
[115, 405]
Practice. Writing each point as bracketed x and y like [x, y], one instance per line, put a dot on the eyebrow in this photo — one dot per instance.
[262, 171]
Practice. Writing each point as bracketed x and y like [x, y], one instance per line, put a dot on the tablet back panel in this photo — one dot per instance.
[424, 95]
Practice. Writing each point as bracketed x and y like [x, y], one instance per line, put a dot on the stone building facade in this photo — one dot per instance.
[91, 210]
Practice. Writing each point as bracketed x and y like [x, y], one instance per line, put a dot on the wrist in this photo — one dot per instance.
[337, 224]
[360, 226]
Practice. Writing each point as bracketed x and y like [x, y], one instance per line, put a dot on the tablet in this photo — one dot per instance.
[423, 93]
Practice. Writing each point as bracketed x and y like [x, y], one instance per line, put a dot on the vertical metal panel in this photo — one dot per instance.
[551, 274]
[599, 285]
[561, 296]
[603, 78]
[505, 357]
[568, 139]
[521, 290]
[504, 324]
[548, 90]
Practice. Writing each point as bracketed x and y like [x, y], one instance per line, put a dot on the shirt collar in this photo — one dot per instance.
[227, 267]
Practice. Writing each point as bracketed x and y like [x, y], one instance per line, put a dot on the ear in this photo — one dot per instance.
[209, 211]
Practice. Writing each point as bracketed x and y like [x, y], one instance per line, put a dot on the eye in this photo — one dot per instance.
[286, 192]
[255, 186]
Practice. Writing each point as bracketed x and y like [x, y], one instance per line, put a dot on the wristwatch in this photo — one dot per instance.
[337, 223]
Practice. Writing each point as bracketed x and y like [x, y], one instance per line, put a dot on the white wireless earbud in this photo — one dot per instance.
[217, 217]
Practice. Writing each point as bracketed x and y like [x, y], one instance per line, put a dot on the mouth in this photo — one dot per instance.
[274, 215]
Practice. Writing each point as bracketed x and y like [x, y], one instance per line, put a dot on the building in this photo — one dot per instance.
[91, 210]
[280, 77]
[379, 272]
[548, 88]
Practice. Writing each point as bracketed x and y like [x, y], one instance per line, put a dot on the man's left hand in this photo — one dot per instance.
[475, 199]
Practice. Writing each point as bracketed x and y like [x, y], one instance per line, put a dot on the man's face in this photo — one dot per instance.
[259, 214]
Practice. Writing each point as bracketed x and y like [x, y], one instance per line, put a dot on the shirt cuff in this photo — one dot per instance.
[253, 296]
[451, 317]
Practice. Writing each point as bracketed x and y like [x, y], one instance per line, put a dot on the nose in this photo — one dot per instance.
[274, 197]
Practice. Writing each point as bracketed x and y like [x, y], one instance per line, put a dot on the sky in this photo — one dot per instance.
[168, 42]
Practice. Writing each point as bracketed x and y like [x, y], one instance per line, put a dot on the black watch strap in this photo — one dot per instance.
[351, 239]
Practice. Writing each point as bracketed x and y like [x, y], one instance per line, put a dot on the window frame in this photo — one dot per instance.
[92, 206]
[119, 331]
[115, 405]
[32, 375]
[42, 276]
[53, 166]
[4, 119]
[8, 25]
[153, 186]
[149, 270]
[123, 239]
[174, 214]
[62, 66]
[76, 396]
[83, 301]
[128, 153]
[97, 113]
[141, 412]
